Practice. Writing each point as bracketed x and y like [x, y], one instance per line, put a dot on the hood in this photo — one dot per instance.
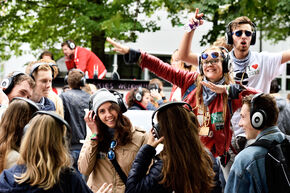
[8, 185]
[281, 103]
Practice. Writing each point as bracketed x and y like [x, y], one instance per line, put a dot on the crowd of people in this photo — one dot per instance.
[219, 105]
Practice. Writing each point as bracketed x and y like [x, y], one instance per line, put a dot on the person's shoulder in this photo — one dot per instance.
[249, 155]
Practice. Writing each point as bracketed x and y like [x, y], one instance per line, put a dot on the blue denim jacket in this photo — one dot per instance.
[248, 173]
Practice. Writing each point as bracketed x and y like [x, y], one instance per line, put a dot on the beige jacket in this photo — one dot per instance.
[99, 168]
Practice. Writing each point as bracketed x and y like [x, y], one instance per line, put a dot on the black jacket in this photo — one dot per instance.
[71, 182]
[74, 103]
[139, 181]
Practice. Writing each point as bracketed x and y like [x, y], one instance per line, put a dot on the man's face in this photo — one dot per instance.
[245, 123]
[67, 51]
[242, 41]
[43, 81]
[22, 89]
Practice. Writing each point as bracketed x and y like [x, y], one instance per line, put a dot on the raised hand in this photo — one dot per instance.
[152, 141]
[105, 188]
[215, 88]
[118, 47]
[197, 19]
[90, 121]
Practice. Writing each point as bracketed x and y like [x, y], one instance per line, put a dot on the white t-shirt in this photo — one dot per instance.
[262, 69]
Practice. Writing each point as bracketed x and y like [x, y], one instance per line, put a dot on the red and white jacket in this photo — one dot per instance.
[86, 60]
[220, 134]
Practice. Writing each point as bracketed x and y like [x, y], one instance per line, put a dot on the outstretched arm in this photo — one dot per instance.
[184, 48]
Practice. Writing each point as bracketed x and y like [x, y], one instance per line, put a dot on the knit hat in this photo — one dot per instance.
[101, 96]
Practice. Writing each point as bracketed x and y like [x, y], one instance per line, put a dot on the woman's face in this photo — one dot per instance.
[108, 115]
[212, 64]
[145, 99]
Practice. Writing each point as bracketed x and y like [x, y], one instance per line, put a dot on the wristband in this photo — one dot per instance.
[94, 136]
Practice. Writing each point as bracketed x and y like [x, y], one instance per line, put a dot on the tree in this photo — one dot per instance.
[43, 23]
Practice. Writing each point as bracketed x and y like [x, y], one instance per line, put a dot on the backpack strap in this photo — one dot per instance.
[119, 170]
[191, 88]
[264, 143]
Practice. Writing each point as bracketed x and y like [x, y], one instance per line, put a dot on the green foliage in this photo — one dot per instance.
[45, 23]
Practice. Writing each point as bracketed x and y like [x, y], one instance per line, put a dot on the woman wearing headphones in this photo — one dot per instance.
[16, 116]
[138, 99]
[108, 154]
[45, 164]
[184, 164]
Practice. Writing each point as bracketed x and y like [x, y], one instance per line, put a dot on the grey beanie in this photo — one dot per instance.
[101, 96]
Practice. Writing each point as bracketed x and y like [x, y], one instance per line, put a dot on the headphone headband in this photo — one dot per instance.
[55, 116]
[30, 102]
[36, 66]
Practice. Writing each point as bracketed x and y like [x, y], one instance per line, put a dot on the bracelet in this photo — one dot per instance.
[94, 136]
[228, 89]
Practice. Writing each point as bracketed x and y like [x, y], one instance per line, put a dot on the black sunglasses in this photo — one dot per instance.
[213, 55]
[239, 33]
[111, 152]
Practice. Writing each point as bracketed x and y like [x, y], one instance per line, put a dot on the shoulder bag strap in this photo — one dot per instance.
[119, 170]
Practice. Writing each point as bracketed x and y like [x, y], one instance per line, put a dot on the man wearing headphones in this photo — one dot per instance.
[259, 116]
[75, 101]
[17, 84]
[42, 72]
[83, 59]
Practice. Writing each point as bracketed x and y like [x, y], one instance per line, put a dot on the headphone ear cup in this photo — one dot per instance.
[156, 129]
[226, 65]
[83, 81]
[253, 40]
[65, 79]
[258, 119]
[229, 36]
[138, 97]
[7, 85]
[200, 66]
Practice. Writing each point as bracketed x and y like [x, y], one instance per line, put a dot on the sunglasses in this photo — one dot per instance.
[111, 152]
[213, 55]
[212, 62]
[239, 33]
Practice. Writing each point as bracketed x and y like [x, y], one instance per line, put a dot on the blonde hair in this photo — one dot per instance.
[57, 101]
[44, 151]
[46, 65]
[228, 80]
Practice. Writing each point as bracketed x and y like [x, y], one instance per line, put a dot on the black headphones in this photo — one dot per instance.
[120, 100]
[258, 116]
[30, 102]
[226, 61]
[118, 96]
[138, 94]
[55, 116]
[70, 44]
[83, 80]
[36, 66]
[155, 126]
[229, 34]
[154, 86]
[8, 83]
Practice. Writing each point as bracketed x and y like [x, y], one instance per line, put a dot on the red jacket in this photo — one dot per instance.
[219, 139]
[86, 60]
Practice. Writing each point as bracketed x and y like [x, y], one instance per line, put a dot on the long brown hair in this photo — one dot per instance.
[187, 167]
[44, 151]
[123, 129]
[16, 116]
[198, 96]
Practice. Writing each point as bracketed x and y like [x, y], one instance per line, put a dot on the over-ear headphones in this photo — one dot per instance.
[55, 116]
[229, 34]
[226, 61]
[120, 100]
[35, 66]
[258, 116]
[156, 126]
[83, 79]
[138, 94]
[30, 102]
[154, 86]
[70, 44]
[8, 83]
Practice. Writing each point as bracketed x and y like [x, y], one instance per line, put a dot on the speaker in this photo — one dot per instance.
[138, 94]
[155, 126]
[229, 34]
[83, 80]
[70, 44]
[8, 83]
[226, 65]
[258, 116]
[120, 100]
[35, 66]
[30, 102]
